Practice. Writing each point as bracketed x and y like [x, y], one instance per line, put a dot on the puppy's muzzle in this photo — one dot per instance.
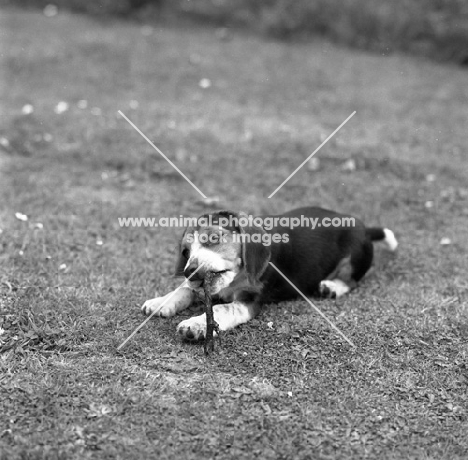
[199, 277]
[191, 269]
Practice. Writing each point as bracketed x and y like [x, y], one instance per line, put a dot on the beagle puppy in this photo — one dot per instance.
[319, 259]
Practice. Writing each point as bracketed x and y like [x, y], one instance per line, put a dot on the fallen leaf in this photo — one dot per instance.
[4, 142]
[349, 165]
[98, 410]
[313, 164]
[210, 200]
[27, 109]
[205, 83]
[61, 107]
[22, 217]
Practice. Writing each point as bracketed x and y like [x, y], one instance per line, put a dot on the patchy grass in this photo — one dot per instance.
[71, 289]
[434, 28]
[437, 29]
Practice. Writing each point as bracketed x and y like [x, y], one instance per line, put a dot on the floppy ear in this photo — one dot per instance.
[181, 259]
[255, 255]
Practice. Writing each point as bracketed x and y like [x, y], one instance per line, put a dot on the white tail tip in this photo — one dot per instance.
[390, 240]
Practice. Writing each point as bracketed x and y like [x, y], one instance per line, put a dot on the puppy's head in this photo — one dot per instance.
[234, 253]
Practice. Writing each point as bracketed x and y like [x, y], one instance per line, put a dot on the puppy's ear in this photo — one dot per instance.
[255, 255]
[181, 258]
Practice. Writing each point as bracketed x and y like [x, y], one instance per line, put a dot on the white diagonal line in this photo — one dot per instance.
[164, 156]
[150, 316]
[311, 304]
[313, 153]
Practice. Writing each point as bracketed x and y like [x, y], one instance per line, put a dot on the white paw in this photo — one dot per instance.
[193, 328]
[333, 288]
[157, 307]
[170, 304]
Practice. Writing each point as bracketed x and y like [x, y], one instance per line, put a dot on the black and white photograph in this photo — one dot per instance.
[233, 229]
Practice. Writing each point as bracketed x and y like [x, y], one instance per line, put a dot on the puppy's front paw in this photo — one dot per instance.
[193, 328]
[170, 304]
[159, 307]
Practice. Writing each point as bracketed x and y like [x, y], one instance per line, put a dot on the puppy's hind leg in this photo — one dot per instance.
[348, 272]
[339, 282]
[333, 288]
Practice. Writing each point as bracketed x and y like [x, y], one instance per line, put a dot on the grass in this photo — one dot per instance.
[437, 29]
[433, 28]
[292, 390]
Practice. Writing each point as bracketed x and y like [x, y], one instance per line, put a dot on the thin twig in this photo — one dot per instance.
[211, 324]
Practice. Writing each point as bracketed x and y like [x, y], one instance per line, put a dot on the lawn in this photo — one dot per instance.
[284, 386]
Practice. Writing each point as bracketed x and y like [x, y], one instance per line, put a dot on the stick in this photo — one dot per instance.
[211, 324]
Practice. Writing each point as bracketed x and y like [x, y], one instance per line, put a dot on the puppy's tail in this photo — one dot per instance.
[383, 234]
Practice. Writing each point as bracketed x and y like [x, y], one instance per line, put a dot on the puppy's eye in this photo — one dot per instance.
[186, 253]
[212, 239]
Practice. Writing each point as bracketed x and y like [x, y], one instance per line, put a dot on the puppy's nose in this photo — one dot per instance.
[191, 269]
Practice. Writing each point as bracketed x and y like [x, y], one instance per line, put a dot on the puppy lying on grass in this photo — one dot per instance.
[325, 261]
